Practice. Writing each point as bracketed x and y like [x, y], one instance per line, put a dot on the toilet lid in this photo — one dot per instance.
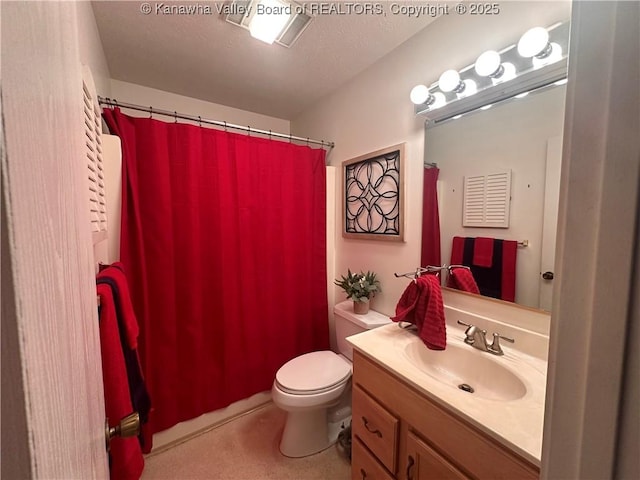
[313, 372]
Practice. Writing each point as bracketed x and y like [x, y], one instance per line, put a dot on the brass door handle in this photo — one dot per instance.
[129, 426]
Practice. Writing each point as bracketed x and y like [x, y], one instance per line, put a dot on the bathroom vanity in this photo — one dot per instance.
[411, 420]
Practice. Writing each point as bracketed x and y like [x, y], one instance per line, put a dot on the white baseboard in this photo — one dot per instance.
[185, 430]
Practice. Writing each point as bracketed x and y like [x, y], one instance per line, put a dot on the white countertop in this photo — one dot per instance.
[516, 424]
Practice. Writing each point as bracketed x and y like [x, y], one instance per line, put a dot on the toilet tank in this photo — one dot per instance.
[348, 323]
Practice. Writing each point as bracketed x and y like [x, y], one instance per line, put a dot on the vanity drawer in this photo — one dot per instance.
[364, 466]
[375, 427]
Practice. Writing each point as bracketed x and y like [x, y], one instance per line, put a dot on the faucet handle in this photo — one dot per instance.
[465, 324]
[495, 347]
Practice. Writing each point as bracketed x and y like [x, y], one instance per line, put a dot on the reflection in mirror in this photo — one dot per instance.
[522, 136]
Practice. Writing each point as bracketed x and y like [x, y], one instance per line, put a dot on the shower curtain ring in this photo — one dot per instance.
[199, 120]
[175, 117]
[249, 130]
[269, 134]
[289, 138]
[307, 141]
[150, 112]
[225, 125]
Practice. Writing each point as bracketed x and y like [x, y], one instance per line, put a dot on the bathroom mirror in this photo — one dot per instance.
[522, 136]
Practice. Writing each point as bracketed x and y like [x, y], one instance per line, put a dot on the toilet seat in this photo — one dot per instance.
[313, 373]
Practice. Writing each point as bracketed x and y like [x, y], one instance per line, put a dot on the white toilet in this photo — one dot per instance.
[315, 388]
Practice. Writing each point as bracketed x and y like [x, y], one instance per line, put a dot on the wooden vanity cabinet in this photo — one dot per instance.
[400, 433]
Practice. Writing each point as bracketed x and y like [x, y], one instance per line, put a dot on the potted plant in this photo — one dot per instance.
[359, 287]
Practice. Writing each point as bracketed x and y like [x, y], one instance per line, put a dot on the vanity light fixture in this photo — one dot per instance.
[538, 59]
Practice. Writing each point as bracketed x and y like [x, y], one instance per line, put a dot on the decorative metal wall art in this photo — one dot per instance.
[373, 195]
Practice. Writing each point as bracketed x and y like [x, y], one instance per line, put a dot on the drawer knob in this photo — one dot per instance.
[366, 425]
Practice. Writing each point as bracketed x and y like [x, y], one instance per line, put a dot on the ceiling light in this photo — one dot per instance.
[419, 94]
[534, 43]
[450, 82]
[269, 19]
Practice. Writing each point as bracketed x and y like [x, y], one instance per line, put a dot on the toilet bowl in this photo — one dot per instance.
[309, 388]
[315, 388]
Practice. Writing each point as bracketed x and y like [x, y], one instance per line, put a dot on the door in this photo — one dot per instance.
[424, 463]
[550, 222]
[56, 422]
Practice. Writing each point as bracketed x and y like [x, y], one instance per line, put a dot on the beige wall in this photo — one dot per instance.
[373, 111]
[90, 47]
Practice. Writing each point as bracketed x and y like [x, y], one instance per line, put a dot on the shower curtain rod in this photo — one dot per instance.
[114, 103]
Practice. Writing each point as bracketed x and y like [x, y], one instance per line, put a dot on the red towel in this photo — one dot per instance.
[421, 304]
[115, 271]
[462, 279]
[483, 252]
[126, 456]
[509, 253]
[457, 251]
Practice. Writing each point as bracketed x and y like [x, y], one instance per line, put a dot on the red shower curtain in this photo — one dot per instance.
[223, 238]
[430, 219]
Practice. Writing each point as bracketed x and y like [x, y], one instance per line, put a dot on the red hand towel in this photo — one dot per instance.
[509, 253]
[462, 279]
[457, 251]
[126, 456]
[421, 304]
[483, 252]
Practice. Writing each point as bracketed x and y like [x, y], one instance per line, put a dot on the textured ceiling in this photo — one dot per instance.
[205, 57]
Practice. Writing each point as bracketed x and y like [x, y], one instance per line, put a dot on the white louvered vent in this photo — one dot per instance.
[487, 199]
[93, 149]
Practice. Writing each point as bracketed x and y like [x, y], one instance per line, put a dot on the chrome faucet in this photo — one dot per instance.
[477, 338]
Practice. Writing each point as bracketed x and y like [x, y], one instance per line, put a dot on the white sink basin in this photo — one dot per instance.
[463, 365]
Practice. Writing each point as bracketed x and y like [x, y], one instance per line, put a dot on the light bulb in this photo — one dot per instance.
[508, 73]
[439, 101]
[488, 64]
[469, 89]
[533, 42]
[554, 54]
[449, 81]
[419, 94]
